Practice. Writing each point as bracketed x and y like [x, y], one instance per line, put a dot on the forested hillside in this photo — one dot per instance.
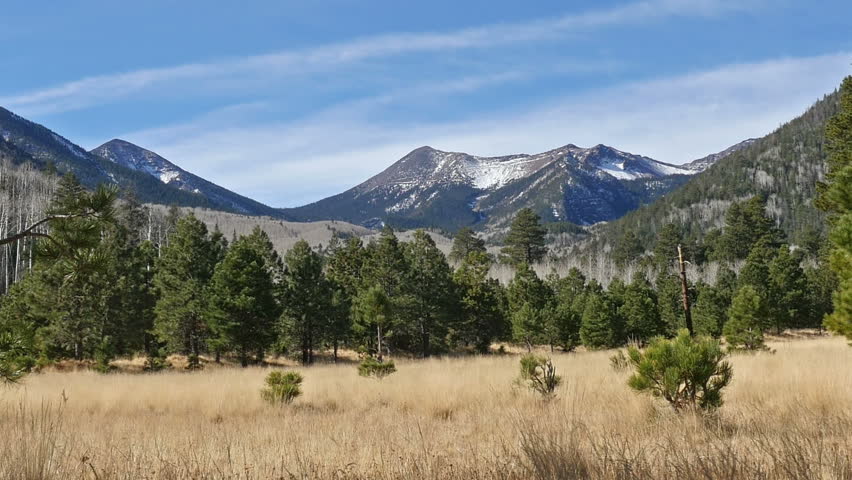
[784, 167]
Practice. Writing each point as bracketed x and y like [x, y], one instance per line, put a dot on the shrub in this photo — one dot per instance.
[14, 361]
[104, 354]
[539, 374]
[370, 367]
[155, 361]
[282, 387]
[688, 373]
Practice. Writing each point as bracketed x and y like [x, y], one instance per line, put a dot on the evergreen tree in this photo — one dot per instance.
[307, 297]
[599, 327]
[526, 240]
[432, 297]
[836, 198]
[243, 304]
[464, 243]
[482, 316]
[528, 296]
[639, 311]
[746, 226]
[628, 249]
[710, 310]
[665, 251]
[76, 272]
[670, 303]
[746, 318]
[788, 289]
[184, 270]
[373, 311]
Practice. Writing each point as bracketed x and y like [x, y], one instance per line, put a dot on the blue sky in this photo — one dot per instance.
[291, 101]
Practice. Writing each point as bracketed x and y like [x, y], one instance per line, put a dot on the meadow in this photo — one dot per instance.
[786, 415]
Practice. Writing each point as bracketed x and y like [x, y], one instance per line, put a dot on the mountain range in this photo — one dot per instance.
[448, 190]
[430, 187]
[151, 178]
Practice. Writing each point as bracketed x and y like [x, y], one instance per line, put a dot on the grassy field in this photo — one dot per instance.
[787, 415]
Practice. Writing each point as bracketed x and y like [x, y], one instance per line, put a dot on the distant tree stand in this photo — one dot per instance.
[97, 205]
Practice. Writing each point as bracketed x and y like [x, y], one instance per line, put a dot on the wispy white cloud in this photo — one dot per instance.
[674, 119]
[101, 89]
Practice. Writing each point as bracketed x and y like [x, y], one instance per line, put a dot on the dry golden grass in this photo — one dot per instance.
[787, 415]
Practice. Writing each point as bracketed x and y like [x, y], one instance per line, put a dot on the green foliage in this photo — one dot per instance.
[430, 302]
[526, 240]
[184, 270]
[15, 359]
[481, 299]
[746, 319]
[104, 354]
[282, 387]
[539, 375]
[746, 226]
[628, 249]
[639, 311]
[155, 361]
[528, 297]
[243, 307]
[307, 296]
[371, 367]
[600, 327]
[710, 311]
[687, 372]
[836, 198]
[466, 242]
[372, 310]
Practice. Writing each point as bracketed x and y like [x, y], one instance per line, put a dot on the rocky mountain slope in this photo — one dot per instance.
[139, 159]
[429, 187]
[132, 168]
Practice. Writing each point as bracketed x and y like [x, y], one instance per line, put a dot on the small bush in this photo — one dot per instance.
[688, 373]
[14, 359]
[539, 374]
[370, 367]
[155, 361]
[104, 354]
[282, 387]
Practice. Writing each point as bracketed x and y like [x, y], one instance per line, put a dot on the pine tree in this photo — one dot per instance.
[482, 315]
[628, 249]
[639, 311]
[746, 318]
[243, 304]
[746, 226]
[599, 326]
[710, 310]
[307, 297]
[464, 243]
[528, 296]
[184, 270]
[665, 251]
[373, 311]
[670, 304]
[526, 240]
[836, 198]
[788, 289]
[433, 301]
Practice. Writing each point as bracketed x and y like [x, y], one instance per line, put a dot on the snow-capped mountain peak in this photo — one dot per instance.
[131, 156]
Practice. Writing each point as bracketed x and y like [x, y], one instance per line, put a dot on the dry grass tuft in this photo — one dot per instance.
[787, 415]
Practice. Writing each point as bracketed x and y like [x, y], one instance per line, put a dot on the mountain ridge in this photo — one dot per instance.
[140, 159]
[431, 187]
